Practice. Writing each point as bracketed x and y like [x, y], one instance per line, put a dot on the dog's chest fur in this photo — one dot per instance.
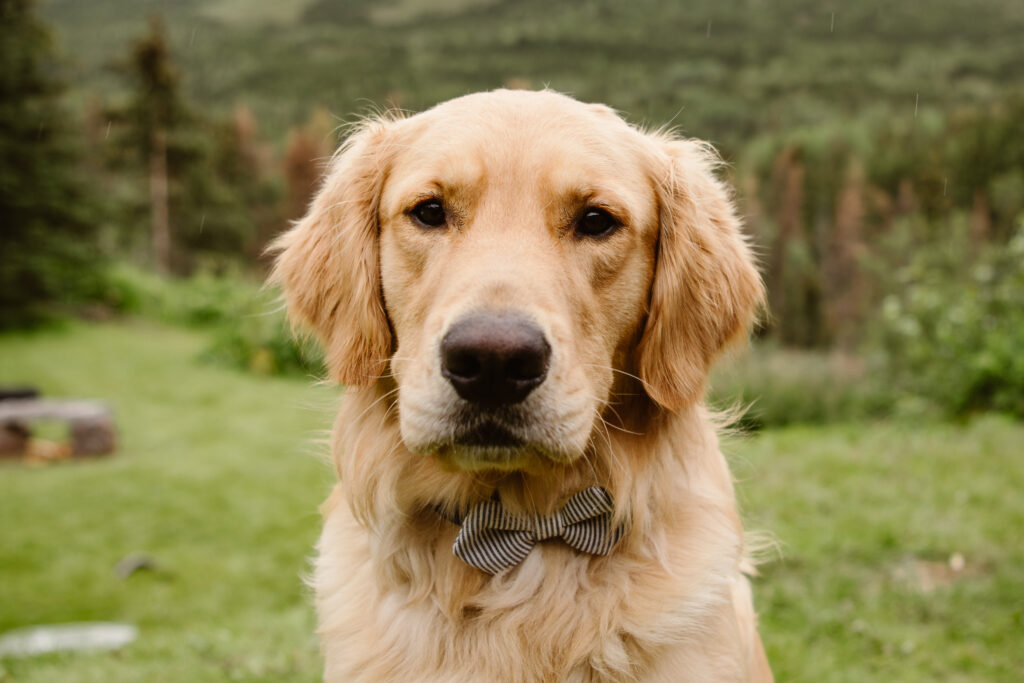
[396, 605]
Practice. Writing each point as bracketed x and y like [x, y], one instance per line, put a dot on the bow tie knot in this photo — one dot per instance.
[547, 527]
[493, 539]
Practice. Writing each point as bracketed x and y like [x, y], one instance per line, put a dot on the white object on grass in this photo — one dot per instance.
[38, 640]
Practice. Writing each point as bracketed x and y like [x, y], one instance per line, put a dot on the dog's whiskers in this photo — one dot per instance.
[590, 463]
[375, 402]
[621, 372]
[610, 406]
[608, 440]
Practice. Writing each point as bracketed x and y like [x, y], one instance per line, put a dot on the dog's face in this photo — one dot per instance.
[504, 258]
[517, 247]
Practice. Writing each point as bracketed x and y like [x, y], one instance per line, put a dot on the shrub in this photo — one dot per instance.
[247, 323]
[259, 340]
[952, 332]
[200, 299]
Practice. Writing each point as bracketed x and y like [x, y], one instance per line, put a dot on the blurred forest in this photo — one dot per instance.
[877, 149]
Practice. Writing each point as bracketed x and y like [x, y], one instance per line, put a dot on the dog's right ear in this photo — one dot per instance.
[329, 266]
[706, 287]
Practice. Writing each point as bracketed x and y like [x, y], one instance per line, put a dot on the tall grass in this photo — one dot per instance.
[772, 386]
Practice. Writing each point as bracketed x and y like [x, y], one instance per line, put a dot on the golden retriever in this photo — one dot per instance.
[523, 294]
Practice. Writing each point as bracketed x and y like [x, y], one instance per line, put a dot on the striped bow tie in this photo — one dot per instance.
[493, 540]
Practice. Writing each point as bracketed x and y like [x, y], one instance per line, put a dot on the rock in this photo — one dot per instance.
[134, 562]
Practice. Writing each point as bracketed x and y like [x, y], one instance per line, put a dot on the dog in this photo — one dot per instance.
[523, 294]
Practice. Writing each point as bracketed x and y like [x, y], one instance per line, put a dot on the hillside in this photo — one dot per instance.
[725, 70]
[866, 141]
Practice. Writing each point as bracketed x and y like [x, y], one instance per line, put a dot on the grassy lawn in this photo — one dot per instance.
[871, 522]
[218, 479]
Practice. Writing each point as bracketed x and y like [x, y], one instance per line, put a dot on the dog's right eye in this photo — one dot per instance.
[429, 213]
[596, 222]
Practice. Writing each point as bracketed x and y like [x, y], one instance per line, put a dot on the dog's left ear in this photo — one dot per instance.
[329, 263]
[706, 288]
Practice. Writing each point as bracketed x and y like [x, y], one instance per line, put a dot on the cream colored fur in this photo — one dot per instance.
[634, 320]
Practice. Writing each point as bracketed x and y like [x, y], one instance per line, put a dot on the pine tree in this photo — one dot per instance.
[205, 177]
[48, 257]
[152, 117]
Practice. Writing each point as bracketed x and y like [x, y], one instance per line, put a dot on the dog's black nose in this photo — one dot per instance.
[494, 359]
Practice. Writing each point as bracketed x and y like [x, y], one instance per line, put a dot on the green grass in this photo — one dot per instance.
[868, 518]
[217, 479]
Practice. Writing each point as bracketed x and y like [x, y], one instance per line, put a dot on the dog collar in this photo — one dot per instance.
[492, 539]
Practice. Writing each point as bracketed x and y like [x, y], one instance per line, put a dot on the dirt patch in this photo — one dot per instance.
[927, 576]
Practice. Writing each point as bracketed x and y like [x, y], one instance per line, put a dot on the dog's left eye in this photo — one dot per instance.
[429, 213]
[596, 222]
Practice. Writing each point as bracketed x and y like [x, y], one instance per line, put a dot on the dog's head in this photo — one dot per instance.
[512, 262]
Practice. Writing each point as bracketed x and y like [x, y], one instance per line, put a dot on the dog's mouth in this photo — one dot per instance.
[489, 434]
[505, 438]
[491, 441]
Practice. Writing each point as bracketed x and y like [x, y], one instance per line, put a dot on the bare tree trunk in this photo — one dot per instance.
[980, 223]
[786, 286]
[842, 275]
[160, 224]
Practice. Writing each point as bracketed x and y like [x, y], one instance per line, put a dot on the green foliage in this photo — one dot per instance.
[156, 101]
[262, 342]
[844, 122]
[724, 71]
[199, 181]
[829, 194]
[202, 299]
[49, 262]
[246, 323]
[953, 329]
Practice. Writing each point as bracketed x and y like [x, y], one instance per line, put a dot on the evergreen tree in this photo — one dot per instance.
[204, 177]
[151, 121]
[48, 257]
